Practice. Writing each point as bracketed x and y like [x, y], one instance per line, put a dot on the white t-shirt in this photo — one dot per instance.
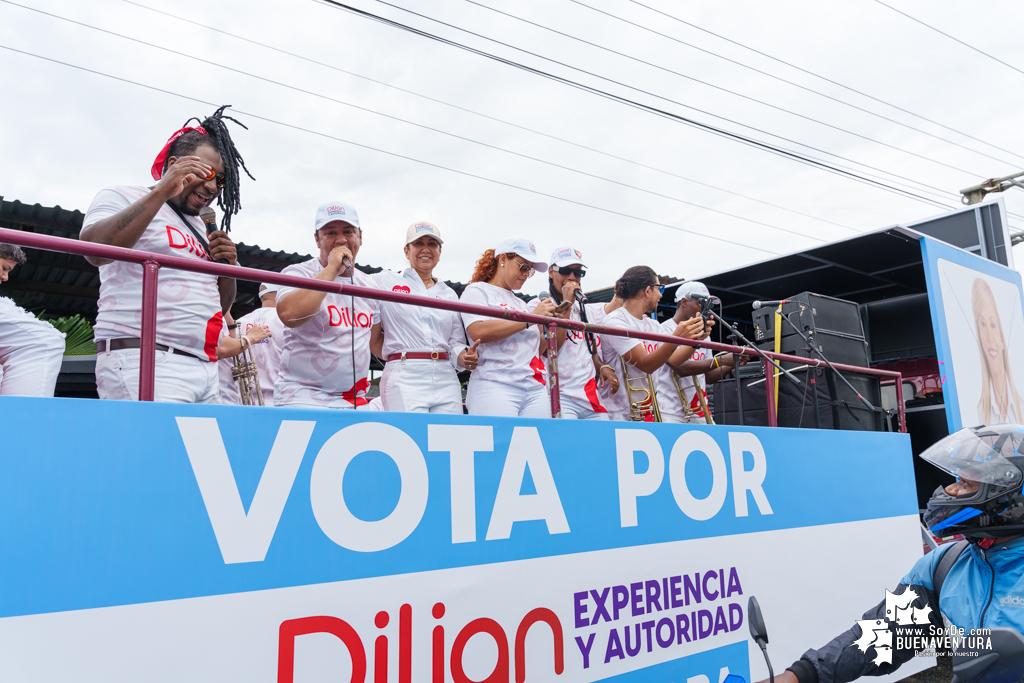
[267, 353]
[615, 403]
[576, 372]
[417, 328]
[664, 388]
[514, 360]
[686, 383]
[317, 367]
[188, 304]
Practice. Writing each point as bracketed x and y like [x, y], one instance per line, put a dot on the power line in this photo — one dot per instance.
[837, 169]
[819, 76]
[412, 123]
[716, 87]
[789, 82]
[603, 93]
[967, 45]
[487, 116]
[384, 151]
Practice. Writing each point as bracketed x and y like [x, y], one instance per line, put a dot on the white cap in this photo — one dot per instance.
[422, 229]
[336, 211]
[268, 288]
[566, 256]
[521, 247]
[691, 290]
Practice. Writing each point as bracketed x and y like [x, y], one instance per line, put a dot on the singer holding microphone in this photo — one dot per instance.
[423, 347]
[511, 377]
[579, 367]
[325, 347]
[196, 166]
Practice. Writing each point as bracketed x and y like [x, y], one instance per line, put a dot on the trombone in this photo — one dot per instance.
[645, 409]
[700, 397]
[245, 372]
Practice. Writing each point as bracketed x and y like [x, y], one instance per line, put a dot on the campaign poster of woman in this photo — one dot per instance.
[985, 328]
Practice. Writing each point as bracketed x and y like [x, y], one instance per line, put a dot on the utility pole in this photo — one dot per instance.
[973, 195]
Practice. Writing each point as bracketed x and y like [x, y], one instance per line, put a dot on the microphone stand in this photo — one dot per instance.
[757, 351]
[814, 348]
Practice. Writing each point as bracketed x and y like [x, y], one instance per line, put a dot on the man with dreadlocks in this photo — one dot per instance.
[579, 365]
[197, 165]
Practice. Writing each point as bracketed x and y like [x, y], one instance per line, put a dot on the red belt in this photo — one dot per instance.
[418, 355]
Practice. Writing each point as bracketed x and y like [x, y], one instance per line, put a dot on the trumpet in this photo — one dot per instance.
[645, 409]
[700, 397]
[247, 375]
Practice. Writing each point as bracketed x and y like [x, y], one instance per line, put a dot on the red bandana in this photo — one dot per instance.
[158, 163]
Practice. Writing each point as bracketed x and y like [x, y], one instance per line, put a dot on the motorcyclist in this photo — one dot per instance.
[983, 588]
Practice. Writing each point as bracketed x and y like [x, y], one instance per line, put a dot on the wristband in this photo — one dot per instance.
[606, 366]
[233, 326]
[716, 362]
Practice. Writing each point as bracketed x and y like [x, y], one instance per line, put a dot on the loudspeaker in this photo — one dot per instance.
[837, 406]
[725, 398]
[834, 326]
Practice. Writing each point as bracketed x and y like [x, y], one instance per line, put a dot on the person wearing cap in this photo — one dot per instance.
[580, 370]
[267, 353]
[682, 403]
[511, 376]
[641, 290]
[325, 347]
[424, 347]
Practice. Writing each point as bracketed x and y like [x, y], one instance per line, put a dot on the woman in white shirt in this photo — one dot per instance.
[511, 377]
[423, 347]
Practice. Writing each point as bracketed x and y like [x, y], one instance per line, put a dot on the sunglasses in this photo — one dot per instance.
[525, 267]
[661, 288]
[566, 271]
[221, 180]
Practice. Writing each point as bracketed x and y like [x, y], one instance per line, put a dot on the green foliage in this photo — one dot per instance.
[79, 339]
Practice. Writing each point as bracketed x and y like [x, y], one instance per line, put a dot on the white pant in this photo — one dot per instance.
[576, 410]
[179, 379]
[487, 397]
[690, 419]
[420, 386]
[31, 352]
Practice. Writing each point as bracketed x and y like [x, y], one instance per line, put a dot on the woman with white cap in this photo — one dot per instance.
[580, 369]
[511, 377]
[424, 347]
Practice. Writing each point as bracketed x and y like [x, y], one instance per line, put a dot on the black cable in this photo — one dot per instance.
[792, 83]
[482, 115]
[413, 123]
[395, 154]
[716, 87]
[817, 75]
[736, 137]
[967, 45]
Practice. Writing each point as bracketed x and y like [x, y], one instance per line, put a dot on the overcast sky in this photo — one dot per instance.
[67, 133]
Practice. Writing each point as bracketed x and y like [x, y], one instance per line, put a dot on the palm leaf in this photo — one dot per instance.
[78, 340]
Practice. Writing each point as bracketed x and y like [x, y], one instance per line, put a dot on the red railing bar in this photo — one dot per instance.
[554, 393]
[71, 246]
[147, 352]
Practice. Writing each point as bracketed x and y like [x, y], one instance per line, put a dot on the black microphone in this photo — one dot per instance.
[209, 217]
[761, 304]
[580, 296]
[346, 263]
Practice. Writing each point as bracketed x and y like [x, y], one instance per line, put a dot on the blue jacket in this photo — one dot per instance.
[983, 589]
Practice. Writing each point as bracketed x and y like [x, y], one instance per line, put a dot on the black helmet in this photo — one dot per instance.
[991, 457]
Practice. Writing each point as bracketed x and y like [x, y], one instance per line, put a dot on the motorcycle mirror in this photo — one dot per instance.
[756, 622]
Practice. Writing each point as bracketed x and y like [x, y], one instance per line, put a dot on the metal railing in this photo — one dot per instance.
[151, 264]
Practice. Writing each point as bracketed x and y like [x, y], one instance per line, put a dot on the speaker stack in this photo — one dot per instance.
[824, 401]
